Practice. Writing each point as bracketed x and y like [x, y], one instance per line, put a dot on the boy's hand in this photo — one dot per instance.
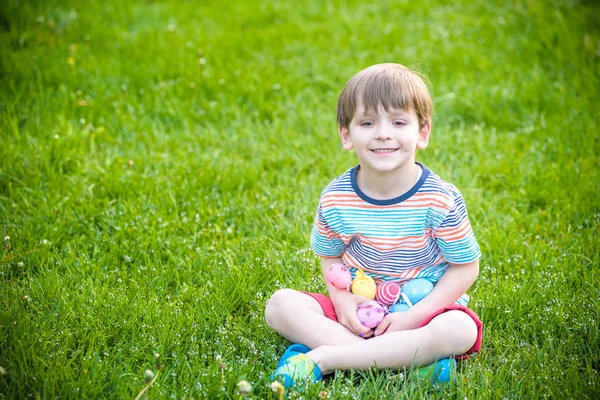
[346, 304]
[398, 321]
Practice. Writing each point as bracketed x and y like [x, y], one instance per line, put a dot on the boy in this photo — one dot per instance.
[396, 220]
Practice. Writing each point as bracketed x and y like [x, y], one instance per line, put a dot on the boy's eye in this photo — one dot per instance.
[399, 123]
[366, 123]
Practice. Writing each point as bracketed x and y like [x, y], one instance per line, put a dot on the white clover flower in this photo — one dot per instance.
[148, 375]
[244, 387]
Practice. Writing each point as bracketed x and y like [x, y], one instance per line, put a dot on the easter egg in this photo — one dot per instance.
[370, 314]
[338, 275]
[388, 293]
[399, 307]
[415, 290]
[438, 373]
[364, 285]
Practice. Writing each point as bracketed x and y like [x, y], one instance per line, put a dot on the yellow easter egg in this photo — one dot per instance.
[364, 285]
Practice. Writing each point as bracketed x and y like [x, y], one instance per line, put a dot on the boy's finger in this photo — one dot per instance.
[359, 328]
[366, 335]
[362, 299]
[382, 327]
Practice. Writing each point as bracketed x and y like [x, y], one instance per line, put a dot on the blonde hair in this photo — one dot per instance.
[392, 86]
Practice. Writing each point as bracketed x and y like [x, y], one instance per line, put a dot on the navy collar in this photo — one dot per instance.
[388, 202]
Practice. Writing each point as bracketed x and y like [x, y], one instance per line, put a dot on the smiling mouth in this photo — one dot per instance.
[383, 151]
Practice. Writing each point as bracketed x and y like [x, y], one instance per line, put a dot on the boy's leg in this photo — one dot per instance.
[448, 334]
[300, 318]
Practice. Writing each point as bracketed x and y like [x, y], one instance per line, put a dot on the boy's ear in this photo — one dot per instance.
[345, 136]
[424, 136]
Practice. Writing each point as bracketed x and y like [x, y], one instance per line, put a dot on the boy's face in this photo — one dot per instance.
[385, 141]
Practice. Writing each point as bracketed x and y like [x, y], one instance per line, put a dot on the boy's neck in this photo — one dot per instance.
[388, 185]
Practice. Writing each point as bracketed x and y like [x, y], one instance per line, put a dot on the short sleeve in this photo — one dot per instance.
[455, 237]
[323, 240]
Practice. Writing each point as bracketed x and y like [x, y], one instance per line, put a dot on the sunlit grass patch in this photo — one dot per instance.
[160, 166]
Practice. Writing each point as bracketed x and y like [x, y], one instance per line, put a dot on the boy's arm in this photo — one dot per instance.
[344, 302]
[457, 279]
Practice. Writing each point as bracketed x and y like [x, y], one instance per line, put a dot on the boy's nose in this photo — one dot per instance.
[382, 134]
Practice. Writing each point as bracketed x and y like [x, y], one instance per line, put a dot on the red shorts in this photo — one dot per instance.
[329, 310]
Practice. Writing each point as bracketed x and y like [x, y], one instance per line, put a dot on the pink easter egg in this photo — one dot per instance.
[388, 293]
[338, 275]
[370, 314]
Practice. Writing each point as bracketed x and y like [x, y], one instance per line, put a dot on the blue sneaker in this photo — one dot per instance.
[296, 369]
[440, 372]
[294, 349]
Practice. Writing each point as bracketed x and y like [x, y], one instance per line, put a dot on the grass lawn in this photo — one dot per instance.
[161, 164]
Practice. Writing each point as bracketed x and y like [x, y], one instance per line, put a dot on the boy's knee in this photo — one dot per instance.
[468, 330]
[276, 306]
[458, 328]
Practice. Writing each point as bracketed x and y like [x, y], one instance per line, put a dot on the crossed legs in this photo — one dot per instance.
[300, 319]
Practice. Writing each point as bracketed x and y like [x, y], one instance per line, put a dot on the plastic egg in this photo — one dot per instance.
[338, 275]
[364, 285]
[438, 373]
[415, 290]
[399, 307]
[370, 314]
[388, 293]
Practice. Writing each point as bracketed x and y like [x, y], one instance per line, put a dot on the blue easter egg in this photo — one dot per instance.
[445, 371]
[438, 373]
[399, 307]
[416, 289]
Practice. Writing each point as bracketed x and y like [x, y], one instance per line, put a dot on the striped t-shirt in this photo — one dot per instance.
[416, 235]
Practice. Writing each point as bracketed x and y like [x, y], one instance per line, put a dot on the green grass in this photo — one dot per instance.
[161, 162]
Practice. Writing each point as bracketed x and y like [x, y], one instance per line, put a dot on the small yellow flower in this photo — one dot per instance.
[71, 61]
[278, 388]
